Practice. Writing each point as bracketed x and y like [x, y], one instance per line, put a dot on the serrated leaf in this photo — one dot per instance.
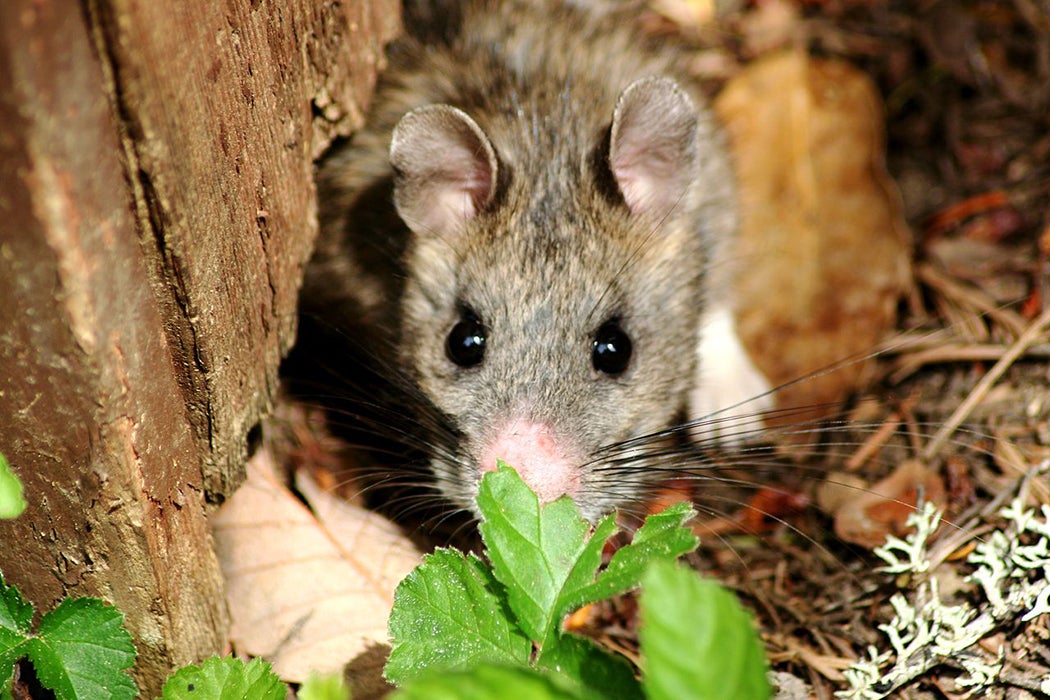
[225, 679]
[79, 652]
[327, 686]
[697, 641]
[542, 555]
[604, 674]
[82, 650]
[491, 682]
[663, 537]
[11, 501]
[16, 616]
[447, 617]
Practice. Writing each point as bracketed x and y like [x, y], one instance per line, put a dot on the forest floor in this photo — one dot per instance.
[966, 88]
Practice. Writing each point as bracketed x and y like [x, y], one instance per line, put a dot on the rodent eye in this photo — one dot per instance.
[611, 349]
[465, 344]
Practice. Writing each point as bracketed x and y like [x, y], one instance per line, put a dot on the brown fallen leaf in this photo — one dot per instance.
[764, 511]
[671, 492]
[579, 619]
[307, 590]
[865, 516]
[688, 15]
[824, 251]
[768, 508]
[771, 25]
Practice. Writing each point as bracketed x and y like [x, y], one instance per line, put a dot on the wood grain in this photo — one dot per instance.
[156, 209]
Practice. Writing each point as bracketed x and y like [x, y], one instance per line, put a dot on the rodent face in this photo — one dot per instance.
[539, 255]
[543, 291]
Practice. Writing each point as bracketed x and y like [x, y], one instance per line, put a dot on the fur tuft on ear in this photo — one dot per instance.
[652, 147]
[445, 169]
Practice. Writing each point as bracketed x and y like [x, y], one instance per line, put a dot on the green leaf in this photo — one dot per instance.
[491, 682]
[16, 616]
[697, 641]
[225, 679]
[82, 650]
[454, 612]
[11, 501]
[542, 556]
[602, 673]
[330, 686]
[447, 616]
[663, 537]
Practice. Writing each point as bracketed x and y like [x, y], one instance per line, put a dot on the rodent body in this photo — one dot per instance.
[530, 233]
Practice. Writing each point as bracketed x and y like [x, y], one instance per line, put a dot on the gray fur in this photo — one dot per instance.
[550, 250]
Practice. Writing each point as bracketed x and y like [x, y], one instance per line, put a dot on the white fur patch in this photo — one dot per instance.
[729, 389]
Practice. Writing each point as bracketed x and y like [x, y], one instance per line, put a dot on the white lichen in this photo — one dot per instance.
[909, 555]
[863, 675]
[1014, 578]
[980, 674]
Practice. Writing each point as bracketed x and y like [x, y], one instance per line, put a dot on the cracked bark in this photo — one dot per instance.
[156, 208]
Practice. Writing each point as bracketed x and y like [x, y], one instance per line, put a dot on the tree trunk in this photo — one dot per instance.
[156, 210]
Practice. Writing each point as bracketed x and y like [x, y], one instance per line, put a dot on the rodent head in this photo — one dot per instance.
[544, 318]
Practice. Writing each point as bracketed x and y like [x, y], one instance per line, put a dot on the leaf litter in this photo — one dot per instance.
[953, 404]
[308, 588]
[955, 409]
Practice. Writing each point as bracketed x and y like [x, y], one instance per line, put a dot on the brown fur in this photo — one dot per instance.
[548, 259]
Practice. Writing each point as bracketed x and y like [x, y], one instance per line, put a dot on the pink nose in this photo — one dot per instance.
[533, 450]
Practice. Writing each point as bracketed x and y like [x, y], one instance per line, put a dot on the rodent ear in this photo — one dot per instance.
[652, 146]
[445, 169]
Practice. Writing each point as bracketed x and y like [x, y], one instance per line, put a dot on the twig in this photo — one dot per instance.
[911, 362]
[1028, 337]
[874, 442]
[970, 296]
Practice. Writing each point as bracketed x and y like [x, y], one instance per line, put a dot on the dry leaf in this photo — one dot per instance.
[823, 253]
[866, 517]
[306, 590]
[769, 507]
[686, 14]
[771, 25]
[671, 491]
[837, 489]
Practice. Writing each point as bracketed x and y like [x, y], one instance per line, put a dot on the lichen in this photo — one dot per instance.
[1012, 573]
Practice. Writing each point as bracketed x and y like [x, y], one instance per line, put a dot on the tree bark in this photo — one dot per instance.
[156, 211]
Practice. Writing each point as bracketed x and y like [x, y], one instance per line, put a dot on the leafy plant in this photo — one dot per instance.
[330, 686]
[80, 650]
[11, 501]
[225, 679]
[462, 628]
[696, 639]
